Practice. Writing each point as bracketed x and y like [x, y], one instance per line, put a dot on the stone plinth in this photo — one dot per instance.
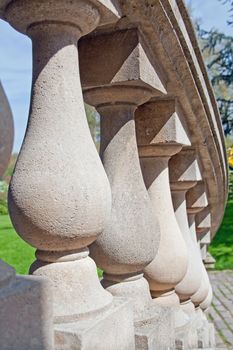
[26, 314]
[93, 333]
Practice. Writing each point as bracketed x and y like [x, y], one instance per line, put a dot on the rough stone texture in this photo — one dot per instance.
[171, 45]
[160, 129]
[116, 91]
[59, 196]
[170, 263]
[26, 315]
[153, 333]
[127, 60]
[203, 221]
[60, 220]
[131, 227]
[163, 58]
[160, 134]
[196, 200]
[161, 122]
[184, 172]
[92, 333]
[109, 11]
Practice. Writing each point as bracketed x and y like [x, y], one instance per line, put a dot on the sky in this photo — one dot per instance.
[16, 67]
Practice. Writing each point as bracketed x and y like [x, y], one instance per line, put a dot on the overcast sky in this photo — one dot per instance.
[15, 59]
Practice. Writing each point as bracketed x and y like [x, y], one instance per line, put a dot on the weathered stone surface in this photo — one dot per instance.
[184, 172]
[26, 315]
[203, 221]
[131, 227]
[92, 332]
[60, 220]
[160, 123]
[127, 61]
[152, 332]
[196, 200]
[109, 11]
[160, 134]
[171, 45]
[122, 67]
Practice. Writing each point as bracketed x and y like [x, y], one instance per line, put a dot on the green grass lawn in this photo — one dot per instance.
[222, 245]
[13, 250]
[20, 255]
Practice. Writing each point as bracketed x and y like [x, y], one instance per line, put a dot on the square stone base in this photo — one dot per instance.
[26, 319]
[156, 329]
[112, 329]
[203, 337]
[186, 336]
[197, 334]
[212, 340]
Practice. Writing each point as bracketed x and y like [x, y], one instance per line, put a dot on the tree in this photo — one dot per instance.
[217, 49]
[230, 21]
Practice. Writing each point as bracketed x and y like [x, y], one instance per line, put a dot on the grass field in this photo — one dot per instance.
[13, 250]
[222, 245]
[20, 255]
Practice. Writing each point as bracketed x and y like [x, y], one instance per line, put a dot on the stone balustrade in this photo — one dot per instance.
[145, 209]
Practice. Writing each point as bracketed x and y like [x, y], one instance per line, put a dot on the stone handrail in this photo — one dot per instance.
[146, 213]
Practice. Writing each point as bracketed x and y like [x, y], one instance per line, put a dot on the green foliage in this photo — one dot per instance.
[13, 250]
[217, 50]
[230, 196]
[228, 141]
[3, 198]
[3, 207]
[222, 245]
[93, 122]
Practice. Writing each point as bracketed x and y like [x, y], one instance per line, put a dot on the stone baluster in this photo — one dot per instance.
[204, 239]
[131, 236]
[204, 306]
[24, 324]
[196, 200]
[160, 134]
[60, 198]
[203, 224]
[203, 221]
[184, 174]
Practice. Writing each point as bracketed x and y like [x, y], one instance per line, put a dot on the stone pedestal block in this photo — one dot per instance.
[209, 262]
[186, 335]
[156, 331]
[112, 329]
[212, 341]
[26, 319]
